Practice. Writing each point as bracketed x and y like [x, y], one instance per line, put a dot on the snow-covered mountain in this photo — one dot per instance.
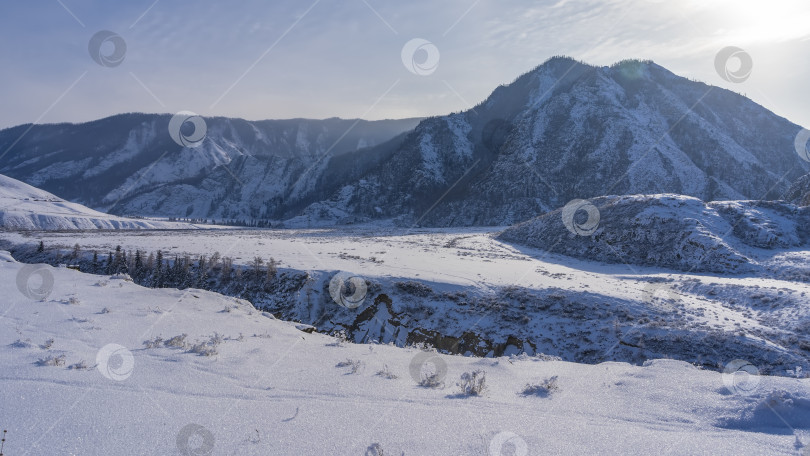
[129, 164]
[569, 130]
[671, 231]
[562, 131]
[23, 207]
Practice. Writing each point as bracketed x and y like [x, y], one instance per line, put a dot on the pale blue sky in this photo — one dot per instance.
[280, 59]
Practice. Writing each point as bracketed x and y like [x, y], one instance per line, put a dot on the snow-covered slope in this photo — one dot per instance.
[671, 231]
[88, 370]
[129, 163]
[23, 207]
[799, 192]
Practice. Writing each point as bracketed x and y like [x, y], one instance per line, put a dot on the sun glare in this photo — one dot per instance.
[760, 22]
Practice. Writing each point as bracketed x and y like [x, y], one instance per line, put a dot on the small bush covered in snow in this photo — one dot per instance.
[473, 383]
[154, 343]
[386, 373]
[209, 347]
[52, 361]
[177, 341]
[81, 365]
[354, 364]
[542, 389]
[431, 380]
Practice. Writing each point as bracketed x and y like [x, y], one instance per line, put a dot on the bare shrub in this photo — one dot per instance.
[431, 380]
[47, 345]
[542, 389]
[209, 347]
[354, 364]
[473, 383]
[177, 341]
[81, 365]
[385, 373]
[52, 361]
[154, 343]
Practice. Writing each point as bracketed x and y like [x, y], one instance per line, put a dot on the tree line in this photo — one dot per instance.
[159, 270]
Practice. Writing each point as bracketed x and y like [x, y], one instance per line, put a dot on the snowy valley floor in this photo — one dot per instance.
[77, 378]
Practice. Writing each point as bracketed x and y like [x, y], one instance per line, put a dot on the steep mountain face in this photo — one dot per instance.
[799, 192]
[129, 164]
[23, 207]
[568, 130]
[670, 231]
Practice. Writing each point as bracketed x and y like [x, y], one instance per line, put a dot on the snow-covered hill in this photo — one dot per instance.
[23, 207]
[102, 366]
[671, 231]
[130, 164]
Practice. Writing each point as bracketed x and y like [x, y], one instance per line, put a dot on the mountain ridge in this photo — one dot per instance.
[562, 131]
